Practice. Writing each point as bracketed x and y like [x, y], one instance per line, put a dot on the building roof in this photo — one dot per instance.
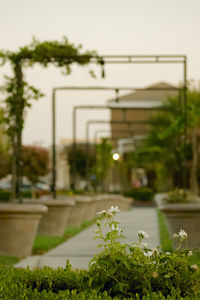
[148, 95]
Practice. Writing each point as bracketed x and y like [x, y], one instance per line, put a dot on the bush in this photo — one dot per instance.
[126, 269]
[48, 284]
[5, 196]
[119, 271]
[143, 194]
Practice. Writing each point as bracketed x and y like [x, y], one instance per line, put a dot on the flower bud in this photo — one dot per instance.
[98, 223]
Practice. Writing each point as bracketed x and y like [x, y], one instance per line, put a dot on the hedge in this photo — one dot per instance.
[49, 284]
[143, 194]
[6, 195]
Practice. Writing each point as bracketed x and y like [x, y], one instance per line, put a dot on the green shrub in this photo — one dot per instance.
[6, 195]
[48, 284]
[143, 194]
[119, 271]
[28, 194]
[126, 269]
[180, 196]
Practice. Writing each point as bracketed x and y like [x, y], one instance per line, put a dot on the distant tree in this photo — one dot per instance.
[80, 162]
[103, 161]
[165, 151]
[35, 162]
[5, 147]
[5, 164]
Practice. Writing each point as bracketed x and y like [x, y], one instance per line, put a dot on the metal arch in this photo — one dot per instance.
[123, 59]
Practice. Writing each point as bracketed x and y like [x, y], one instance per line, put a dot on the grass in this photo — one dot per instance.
[8, 260]
[44, 243]
[165, 241]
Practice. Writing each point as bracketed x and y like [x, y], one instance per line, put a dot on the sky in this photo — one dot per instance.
[123, 27]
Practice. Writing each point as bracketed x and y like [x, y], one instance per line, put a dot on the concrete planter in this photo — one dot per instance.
[54, 222]
[159, 199]
[126, 203]
[104, 201]
[79, 211]
[179, 216]
[18, 227]
[90, 207]
[100, 203]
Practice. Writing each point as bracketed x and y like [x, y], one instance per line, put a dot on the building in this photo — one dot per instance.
[137, 107]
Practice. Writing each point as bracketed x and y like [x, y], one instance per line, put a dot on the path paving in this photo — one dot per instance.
[80, 248]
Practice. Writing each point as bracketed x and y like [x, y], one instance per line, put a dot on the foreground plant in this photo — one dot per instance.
[120, 271]
[124, 269]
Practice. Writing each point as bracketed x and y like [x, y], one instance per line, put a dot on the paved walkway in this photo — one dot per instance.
[80, 248]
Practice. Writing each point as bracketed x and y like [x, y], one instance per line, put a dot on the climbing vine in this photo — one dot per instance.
[20, 93]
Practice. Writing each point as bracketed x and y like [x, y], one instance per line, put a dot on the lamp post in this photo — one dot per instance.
[116, 158]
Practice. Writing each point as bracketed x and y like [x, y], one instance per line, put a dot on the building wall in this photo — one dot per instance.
[130, 115]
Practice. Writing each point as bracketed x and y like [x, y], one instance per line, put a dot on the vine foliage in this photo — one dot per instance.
[20, 93]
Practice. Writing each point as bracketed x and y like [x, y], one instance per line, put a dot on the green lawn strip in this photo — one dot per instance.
[8, 260]
[45, 243]
[165, 241]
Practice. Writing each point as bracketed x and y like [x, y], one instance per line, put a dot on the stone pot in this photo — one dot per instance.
[54, 222]
[79, 211]
[18, 227]
[183, 216]
[90, 207]
[100, 202]
[159, 199]
[126, 203]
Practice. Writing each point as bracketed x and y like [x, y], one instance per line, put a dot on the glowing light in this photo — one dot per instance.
[116, 156]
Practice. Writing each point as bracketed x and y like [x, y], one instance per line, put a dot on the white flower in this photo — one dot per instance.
[182, 234]
[96, 231]
[114, 227]
[168, 253]
[175, 236]
[195, 267]
[190, 253]
[134, 245]
[98, 223]
[148, 253]
[154, 250]
[113, 209]
[142, 234]
[101, 212]
[145, 245]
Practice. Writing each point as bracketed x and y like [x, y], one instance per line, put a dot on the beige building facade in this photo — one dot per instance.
[138, 107]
